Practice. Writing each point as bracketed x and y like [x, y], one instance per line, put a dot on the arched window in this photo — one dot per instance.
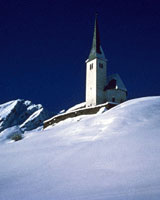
[91, 66]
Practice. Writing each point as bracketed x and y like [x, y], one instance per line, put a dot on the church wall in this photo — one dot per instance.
[101, 81]
[91, 83]
[116, 95]
[95, 82]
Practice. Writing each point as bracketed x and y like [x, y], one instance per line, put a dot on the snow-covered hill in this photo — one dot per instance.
[107, 156]
[18, 116]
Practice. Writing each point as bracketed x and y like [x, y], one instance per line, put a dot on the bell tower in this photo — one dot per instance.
[96, 72]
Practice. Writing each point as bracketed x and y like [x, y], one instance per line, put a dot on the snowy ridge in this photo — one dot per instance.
[18, 116]
[112, 155]
[6, 108]
[78, 106]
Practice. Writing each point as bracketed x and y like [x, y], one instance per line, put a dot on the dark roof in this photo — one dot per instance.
[111, 84]
[115, 82]
[96, 50]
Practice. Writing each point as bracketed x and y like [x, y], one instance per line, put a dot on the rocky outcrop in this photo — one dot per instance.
[22, 114]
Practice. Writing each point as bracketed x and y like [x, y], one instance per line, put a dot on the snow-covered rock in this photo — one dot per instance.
[9, 132]
[112, 155]
[19, 116]
[76, 107]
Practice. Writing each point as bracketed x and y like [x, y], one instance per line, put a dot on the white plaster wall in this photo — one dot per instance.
[119, 95]
[96, 79]
[91, 83]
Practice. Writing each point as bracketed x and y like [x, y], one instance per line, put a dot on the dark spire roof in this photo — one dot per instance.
[96, 49]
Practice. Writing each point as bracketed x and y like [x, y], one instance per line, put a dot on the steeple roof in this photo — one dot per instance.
[96, 50]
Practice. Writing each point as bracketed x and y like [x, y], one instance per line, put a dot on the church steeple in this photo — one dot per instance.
[96, 72]
[96, 50]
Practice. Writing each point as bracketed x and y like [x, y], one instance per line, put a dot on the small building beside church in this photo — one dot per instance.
[101, 88]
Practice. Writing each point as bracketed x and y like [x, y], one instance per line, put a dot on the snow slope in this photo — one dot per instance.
[107, 156]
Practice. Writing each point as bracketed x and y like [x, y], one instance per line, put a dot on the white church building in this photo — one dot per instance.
[101, 88]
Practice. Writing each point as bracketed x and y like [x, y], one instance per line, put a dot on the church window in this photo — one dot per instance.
[91, 66]
[100, 65]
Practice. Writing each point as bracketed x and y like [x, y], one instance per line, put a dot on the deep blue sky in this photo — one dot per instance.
[44, 45]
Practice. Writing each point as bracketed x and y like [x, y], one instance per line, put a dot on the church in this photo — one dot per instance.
[101, 88]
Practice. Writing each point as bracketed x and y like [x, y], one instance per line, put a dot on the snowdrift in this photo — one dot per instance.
[112, 155]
